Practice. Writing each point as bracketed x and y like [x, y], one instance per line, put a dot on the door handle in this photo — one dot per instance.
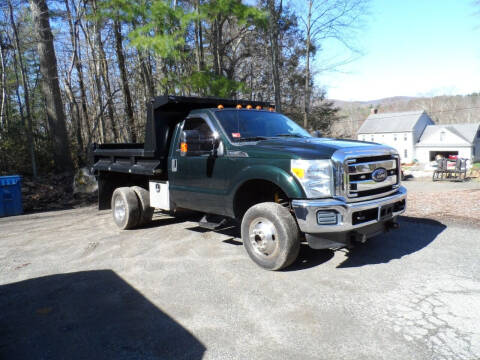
[174, 165]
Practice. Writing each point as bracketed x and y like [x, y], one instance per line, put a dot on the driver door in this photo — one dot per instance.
[196, 184]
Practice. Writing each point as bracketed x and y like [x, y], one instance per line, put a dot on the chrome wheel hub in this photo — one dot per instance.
[263, 237]
[119, 209]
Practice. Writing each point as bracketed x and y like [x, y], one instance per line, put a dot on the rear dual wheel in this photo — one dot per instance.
[131, 207]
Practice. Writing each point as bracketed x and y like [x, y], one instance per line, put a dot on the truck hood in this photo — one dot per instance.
[306, 148]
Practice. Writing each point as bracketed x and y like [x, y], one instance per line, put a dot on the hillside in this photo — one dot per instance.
[442, 109]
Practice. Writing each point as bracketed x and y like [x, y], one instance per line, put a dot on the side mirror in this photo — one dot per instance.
[193, 143]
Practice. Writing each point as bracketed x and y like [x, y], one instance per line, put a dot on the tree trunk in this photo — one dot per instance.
[104, 74]
[94, 79]
[26, 95]
[3, 101]
[17, 86]
[51, 87]
[70, 92]
[274, 32]
[214, 44]
[132, 134]
[197, 36]
[306, 98]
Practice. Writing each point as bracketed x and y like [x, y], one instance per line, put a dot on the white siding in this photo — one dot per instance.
[402, 142]
[443, 137]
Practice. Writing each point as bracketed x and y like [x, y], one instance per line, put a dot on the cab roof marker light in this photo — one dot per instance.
[239, 106]
[220, 107]
[258, 107]
[249, 107]
[271, 109]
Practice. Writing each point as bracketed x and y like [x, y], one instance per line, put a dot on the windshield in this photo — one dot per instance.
[244, 125]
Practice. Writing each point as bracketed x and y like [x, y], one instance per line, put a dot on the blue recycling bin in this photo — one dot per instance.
[10, 195]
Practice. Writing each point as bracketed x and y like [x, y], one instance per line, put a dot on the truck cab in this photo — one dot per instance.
[242, 160]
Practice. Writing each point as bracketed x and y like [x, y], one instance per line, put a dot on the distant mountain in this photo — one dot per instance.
[377, 102]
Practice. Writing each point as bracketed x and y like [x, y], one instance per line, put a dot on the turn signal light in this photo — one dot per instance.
[239, 106]
[183, 147]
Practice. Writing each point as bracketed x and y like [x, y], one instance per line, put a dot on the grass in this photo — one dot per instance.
[476, 165]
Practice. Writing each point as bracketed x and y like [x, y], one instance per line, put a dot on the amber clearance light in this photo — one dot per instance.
[239, 106]
[183, 147]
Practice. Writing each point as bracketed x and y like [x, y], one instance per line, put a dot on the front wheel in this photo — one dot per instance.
[270, 235]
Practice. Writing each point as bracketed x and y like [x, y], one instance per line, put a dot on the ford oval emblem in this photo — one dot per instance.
[379, 174]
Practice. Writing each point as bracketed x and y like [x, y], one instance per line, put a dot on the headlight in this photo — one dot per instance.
[316, 177]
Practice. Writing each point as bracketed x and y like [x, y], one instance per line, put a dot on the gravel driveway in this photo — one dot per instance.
[444, 201]
[74, 286]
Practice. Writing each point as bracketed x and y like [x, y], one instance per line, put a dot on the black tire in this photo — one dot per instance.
[126, 199]
[146, 211]
[271, 249]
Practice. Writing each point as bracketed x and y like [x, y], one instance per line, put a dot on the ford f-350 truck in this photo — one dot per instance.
[241, 160]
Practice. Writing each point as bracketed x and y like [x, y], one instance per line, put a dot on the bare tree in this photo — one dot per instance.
[3, 101]
[132, 134]
[26, 93]
[327, 19]
[275, 12]
[51, 86]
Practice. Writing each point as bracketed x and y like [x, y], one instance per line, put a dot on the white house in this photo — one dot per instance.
[401, 130]
[416, 137]
[452, 139]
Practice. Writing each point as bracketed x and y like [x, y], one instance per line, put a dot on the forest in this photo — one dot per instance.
[78, 72]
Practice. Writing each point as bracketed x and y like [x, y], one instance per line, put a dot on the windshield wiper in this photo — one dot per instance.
[251, 138]
[290, 135]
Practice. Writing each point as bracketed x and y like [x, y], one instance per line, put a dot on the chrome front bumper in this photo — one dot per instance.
[306, 212]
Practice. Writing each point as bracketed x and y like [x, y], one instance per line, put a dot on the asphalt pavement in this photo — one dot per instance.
[74, 286]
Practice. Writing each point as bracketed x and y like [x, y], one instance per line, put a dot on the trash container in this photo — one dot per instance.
[10, 195]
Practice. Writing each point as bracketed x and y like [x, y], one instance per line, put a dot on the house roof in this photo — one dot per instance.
[390, 122]
[466, 132]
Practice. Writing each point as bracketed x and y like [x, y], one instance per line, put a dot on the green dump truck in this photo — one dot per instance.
[241, 160]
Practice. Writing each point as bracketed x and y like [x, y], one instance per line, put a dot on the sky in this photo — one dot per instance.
[410, 48]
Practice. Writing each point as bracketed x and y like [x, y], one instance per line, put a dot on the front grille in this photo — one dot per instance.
[363, 180]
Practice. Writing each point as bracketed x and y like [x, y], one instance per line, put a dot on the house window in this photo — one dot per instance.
[394, 137]
[405, 137]
[363, 138]
[372, 138]
[442, 136]
[406, 153]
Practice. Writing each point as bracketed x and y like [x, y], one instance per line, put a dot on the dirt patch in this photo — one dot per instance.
[53, 192]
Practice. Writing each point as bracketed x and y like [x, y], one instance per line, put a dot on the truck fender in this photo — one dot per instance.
[273, 174]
